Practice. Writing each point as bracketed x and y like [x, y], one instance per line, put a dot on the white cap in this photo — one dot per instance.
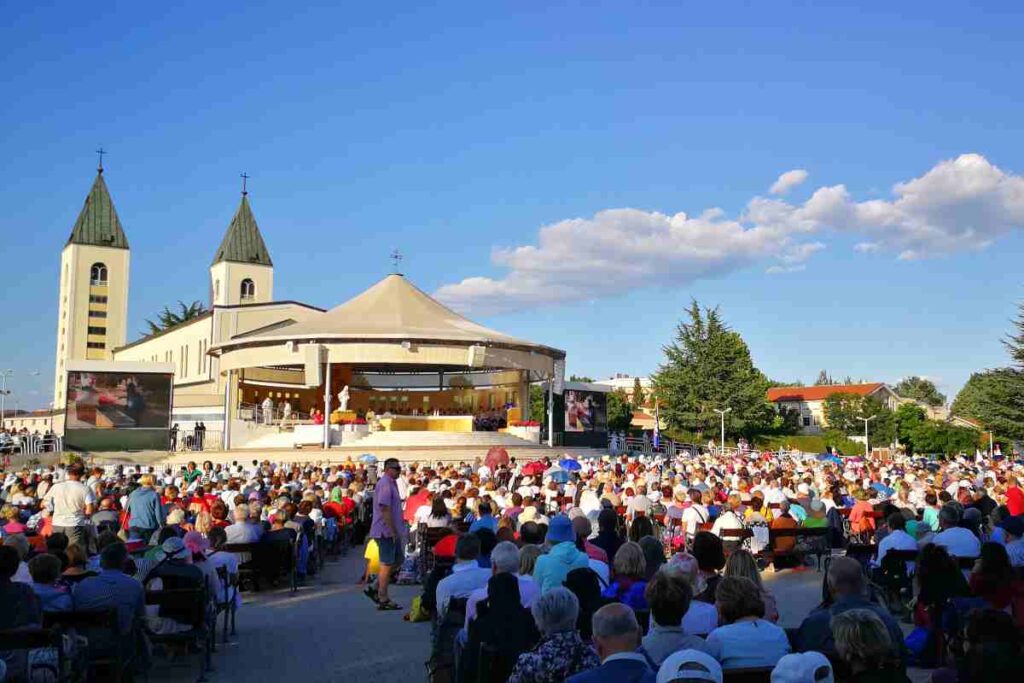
[674, 667]
[806, 667]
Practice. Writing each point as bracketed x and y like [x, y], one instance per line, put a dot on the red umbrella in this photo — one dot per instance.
[496, 457]
[532, 469]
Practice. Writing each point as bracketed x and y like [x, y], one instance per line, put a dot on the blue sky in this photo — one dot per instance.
[457, 131]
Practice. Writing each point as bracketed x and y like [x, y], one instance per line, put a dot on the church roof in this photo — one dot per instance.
[243, 242]
[395, 309]
[98, 224]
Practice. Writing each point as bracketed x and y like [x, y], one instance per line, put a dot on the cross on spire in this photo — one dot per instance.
[396, 259]
[100, 152]
[244, 178]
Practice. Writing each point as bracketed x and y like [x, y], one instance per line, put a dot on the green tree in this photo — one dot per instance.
[708, 366]
[167, 318]
[537, 400]
[920, 389]
[639, 397]
[908, 417]
[823, 379]
[932, 436]
[841, 412]
[620, 412]
[995, 398]
[1015, 342]
[580, 378]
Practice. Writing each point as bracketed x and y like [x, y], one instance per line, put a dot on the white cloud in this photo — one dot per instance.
[960, 204]
[788, 180]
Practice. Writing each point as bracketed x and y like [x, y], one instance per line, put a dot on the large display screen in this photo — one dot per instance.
[118, 400]
[117, 411]
[585, 411]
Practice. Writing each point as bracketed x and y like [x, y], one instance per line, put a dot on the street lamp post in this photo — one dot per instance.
[721, 414]
[3, 395]
[866, 420]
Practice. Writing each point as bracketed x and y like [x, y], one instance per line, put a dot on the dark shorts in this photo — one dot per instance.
[390, 551]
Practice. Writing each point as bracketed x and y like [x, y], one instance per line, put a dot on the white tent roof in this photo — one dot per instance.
[393, 309]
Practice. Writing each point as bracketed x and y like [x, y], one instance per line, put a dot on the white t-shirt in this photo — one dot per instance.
[727, 520]
[693, 517]
[67, 501]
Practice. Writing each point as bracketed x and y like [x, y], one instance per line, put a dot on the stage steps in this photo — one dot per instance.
[436, 439]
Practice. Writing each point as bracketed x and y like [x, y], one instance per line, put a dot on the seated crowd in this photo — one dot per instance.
[592, 580]
[85, 540]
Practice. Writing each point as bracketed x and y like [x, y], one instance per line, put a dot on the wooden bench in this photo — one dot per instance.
[772, 554]
[27, 639]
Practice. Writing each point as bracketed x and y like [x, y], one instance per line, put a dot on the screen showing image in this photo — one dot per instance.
[585, 411]
[118, 400]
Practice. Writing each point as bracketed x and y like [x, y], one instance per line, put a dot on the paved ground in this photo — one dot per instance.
[327, 631]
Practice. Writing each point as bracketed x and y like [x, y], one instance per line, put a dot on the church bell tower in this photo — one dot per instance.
[242, 272]
[92, 313]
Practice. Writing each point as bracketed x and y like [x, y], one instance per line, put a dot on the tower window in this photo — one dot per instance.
[97, 330]
[248, 290]
[98, 274]
[216, 289]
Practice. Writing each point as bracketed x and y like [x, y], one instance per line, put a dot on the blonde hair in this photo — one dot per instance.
[528, 558]
[630, 561]
[204, 522]
[9, 512]
[862, 639]
[147, 480]
[742, 563]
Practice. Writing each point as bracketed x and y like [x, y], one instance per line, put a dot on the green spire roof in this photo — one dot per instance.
[98, 224]
[243, 242]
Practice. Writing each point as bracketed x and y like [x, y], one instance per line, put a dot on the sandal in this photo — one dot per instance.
[388, 606]
[371, 592]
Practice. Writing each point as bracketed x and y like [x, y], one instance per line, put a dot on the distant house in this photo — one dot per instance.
[626, 383]
[809, 402]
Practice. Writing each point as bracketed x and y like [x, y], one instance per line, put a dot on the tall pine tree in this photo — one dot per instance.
[708, 366]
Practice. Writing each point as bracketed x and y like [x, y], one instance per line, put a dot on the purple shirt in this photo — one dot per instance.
[386, 493]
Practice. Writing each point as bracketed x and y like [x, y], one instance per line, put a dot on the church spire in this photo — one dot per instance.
[98, 224]
[243, 242]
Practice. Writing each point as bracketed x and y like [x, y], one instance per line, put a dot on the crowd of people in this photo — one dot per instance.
[629, 568]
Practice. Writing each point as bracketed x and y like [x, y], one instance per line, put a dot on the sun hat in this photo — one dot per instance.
[805, 667]
[175, 548]
[175, 516]
[690, 665]
[560, 530]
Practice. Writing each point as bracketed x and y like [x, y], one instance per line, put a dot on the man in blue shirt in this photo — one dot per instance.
[486, 519]
[113, 588]
[145, 512]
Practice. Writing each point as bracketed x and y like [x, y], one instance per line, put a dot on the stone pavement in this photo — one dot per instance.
[327, 631]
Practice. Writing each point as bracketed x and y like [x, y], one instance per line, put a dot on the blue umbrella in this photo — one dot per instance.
[557, 475]
[570, 465]
[368, 459]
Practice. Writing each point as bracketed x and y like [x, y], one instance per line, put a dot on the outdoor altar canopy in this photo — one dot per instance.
[390, 359]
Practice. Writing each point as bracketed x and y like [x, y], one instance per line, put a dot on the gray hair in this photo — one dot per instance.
[949, 514]
[615, 621]
[556, 611]
[505, 558]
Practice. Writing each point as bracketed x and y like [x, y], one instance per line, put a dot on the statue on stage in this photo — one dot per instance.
[343, 399]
